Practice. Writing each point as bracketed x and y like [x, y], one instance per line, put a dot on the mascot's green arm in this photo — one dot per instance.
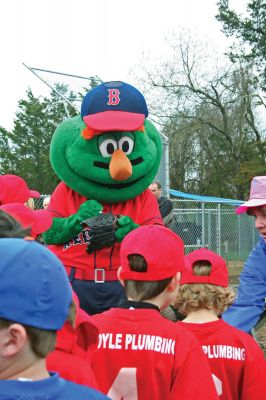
[65, 229]
[126, 225]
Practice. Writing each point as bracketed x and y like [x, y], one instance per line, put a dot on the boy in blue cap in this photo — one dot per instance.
[35, 300]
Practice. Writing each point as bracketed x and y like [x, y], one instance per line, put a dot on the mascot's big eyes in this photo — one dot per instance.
[126, 144]
[108, 147]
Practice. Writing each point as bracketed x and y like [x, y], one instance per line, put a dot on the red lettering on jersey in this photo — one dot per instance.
[113, 97]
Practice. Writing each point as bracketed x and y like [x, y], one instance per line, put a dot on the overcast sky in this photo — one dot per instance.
[91, 37]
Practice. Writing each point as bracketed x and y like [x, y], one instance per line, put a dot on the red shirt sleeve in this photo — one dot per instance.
[149, 211]
[65, 201]
[58, 203]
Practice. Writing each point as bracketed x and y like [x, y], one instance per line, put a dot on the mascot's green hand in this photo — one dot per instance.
[125, 225]
[65, 229]
[88, 209]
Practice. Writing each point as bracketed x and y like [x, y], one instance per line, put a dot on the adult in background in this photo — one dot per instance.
[249, 305]
[46, 202]
[165, 204]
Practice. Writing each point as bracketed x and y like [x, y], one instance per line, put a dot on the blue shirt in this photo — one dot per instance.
[53, 388]
[250, 301]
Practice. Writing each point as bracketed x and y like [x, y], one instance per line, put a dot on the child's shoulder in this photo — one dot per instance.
[242, 336]
[81, 391]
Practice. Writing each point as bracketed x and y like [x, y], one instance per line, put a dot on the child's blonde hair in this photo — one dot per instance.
[195, 296]
[30, 203]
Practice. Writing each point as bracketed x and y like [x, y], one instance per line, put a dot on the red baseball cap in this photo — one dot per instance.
[13, 189]
[161, 248]
[35, 194]
[38, 220]
[87, 330]
[218, 275]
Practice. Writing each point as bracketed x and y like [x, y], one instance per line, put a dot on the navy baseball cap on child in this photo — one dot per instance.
[161, 248]
[114, 106]
[34, 287]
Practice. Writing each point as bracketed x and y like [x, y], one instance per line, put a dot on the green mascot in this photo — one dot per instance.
[106, 159]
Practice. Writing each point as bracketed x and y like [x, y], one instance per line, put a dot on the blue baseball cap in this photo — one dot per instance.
[34, 287]
[114, 106]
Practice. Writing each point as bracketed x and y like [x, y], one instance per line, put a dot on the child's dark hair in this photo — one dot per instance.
[143, 290]
[10, 227]
[42, 342]
[250, 210]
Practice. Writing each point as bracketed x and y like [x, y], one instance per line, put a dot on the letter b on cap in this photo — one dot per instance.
[113, 97]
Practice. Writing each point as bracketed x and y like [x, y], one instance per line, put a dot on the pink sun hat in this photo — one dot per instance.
[257, 196]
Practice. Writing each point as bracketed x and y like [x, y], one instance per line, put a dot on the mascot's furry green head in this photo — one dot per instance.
[111, 152]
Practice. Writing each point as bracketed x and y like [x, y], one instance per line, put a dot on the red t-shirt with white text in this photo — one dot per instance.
[142, 356]
[236, 360]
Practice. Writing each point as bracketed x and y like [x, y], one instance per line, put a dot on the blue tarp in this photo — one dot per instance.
[206, 199]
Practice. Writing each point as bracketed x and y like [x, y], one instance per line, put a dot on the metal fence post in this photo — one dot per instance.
[203, 224]
[239, 236]
[218, 229]
[209, 228]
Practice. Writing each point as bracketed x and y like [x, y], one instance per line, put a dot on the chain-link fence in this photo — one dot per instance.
[211, 225]
[215, 226]
[38, 203]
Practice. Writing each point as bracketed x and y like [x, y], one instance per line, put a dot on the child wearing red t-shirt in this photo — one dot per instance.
[237, 362]
[75, 342]
[141, 355]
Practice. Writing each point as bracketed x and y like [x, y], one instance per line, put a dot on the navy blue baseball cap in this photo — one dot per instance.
[114, 106]
[34, 287]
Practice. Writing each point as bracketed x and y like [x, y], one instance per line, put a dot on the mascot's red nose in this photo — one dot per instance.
[120, 167]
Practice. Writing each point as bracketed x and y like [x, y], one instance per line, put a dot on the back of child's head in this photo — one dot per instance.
[34, 291]
[204, 283]
[10, 227]
[151, 256]
[37, 220]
